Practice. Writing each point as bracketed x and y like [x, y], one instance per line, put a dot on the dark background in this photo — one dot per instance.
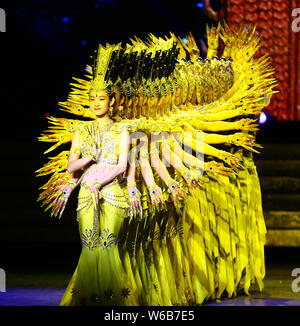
[47, 43]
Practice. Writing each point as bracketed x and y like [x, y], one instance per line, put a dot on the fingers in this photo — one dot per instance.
[251, 149]
[157, 199]
[178, 195]
[252, 128]
[257, 145]
[228, 173]
[61, 211]
[193, 183]
[136, 208]
[223, 170]
[98, 137]
[132, 212]
[232, 160]
[255, 111]
[134, 205]
[153, 201]
[56, 208]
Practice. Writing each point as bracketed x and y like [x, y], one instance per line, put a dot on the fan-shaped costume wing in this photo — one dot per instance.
[192, 124]
[178, 110]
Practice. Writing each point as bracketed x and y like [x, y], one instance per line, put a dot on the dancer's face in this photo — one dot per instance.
[100, 102]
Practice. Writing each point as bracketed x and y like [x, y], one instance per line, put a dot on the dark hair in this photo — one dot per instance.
[110, 91]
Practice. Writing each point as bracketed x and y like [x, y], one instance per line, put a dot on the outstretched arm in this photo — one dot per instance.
[178, 155]
[202, 147]
[154, 190]
[240, 139]
[243, 124]
[174, 187]
[133, 192]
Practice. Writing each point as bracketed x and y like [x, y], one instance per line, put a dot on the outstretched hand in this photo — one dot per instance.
[63, 194]
[95, 148]
[218, 169]
[176, 191]
[192, 177]
[247, 125]
[244, 140]
[134, 200]
[156, 195]
[230, 159]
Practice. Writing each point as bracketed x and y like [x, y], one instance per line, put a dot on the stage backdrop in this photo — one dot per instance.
[281, 40]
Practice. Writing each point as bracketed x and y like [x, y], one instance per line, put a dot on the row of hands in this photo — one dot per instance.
[192, 178]
[63, 193]
[156, 196]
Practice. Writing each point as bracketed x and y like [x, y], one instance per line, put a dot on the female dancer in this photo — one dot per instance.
[198, 234]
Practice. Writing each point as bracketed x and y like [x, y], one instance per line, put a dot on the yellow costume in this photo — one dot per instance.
[100, 276]
[199, 231]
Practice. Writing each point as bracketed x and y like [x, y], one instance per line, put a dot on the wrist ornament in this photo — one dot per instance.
[131, 183]
[75, 150]
[171, 183]
[152, 189]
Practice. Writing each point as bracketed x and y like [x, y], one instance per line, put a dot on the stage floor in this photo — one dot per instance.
[47, 290]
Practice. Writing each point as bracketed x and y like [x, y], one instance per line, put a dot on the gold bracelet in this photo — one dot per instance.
[169, 180]
[75, 150]
[131, 183]
[72, 184]
[98, 184]
[151, 190]
[183, 170]
[152, 185]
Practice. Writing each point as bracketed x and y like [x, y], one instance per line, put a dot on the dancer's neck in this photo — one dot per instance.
[104, 120]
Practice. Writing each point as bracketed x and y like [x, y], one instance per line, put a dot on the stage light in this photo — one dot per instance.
[83, 42]
[65, 19]
[262, 118]
[200, 4]
[184, 40]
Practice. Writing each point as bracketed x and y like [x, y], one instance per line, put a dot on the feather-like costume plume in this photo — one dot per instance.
[163, 86]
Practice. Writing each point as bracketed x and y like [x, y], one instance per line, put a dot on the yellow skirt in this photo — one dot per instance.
[126, 262]
[212, 247]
